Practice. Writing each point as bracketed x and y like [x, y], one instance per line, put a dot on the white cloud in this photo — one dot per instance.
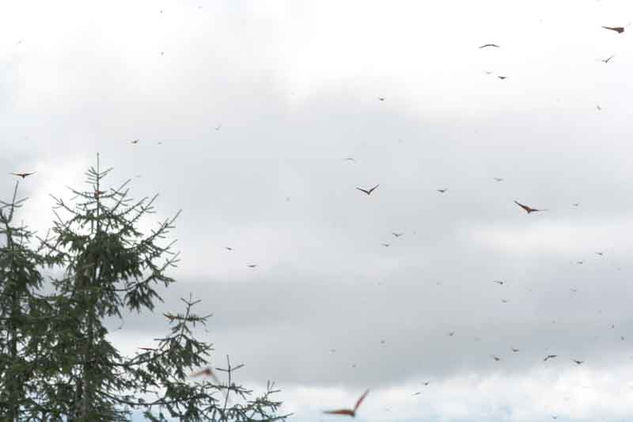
[574, 393]
[294, 86]
[569, 239]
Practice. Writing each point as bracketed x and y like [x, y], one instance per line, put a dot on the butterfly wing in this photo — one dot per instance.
[346, 412]
[360, 400]
[617, 29]
[199, 373]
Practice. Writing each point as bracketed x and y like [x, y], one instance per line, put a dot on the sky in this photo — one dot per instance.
[259, 120]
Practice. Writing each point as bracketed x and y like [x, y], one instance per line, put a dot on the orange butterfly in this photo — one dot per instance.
[348, 412]
[171, 316]
[527, 208]
[207, 372]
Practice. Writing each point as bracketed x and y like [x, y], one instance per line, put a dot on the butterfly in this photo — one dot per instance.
[367, 191]
[23, 175]
[207, 372]
[171, 317]
[349, 412]
[617, 29]
[528, 209]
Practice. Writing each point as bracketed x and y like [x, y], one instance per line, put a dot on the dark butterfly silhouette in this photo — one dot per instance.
[617, 29]
[368, 191]
[23, 175]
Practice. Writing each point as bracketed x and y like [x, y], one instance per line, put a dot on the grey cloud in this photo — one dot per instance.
[272, 184]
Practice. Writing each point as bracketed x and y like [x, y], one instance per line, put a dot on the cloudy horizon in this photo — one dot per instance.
[260, 119]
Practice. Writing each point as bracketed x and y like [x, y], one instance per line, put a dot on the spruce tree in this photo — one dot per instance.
[111, 269]
[20, 310]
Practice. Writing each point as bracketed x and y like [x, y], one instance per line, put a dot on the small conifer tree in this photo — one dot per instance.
[20, 310]
[112, 268]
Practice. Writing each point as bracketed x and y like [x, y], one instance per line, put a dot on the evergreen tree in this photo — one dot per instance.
[20, 308]
[112, 268]
[165, 372]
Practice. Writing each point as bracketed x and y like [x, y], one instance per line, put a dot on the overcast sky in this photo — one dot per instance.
[246, 111]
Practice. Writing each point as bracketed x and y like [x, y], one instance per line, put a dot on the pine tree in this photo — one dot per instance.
[112, 268]
[165, 372]
[20, 307]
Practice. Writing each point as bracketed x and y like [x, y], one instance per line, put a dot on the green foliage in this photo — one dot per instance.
[164, 371]
[20, 311]
[57, 352]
